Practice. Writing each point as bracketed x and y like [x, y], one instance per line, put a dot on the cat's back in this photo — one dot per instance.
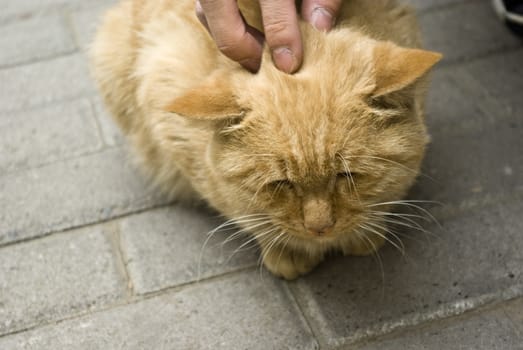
[136, 41]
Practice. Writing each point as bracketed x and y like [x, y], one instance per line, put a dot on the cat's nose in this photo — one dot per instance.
[320, 229]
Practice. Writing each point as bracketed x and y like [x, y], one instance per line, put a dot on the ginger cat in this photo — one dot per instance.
[307, 163]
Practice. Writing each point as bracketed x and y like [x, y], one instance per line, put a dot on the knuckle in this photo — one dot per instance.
[230, 44]
[333, 7]
[277, 28]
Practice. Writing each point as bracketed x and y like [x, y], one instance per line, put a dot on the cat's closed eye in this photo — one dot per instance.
[347, 174]
[281, 183]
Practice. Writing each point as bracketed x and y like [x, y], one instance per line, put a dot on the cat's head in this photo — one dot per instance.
[317, 150]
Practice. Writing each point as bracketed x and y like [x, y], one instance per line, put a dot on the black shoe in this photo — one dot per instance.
[511, 12]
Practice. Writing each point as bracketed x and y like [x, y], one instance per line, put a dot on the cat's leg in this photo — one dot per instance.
[363, 246]
[288, 263]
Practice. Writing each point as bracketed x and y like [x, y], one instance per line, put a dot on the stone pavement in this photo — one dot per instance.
[92, 258]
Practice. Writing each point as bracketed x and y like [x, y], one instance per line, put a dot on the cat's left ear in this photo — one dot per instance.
[213, 100]
[397, 67]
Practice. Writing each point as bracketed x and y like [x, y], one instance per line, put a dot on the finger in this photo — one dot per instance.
[201, 16]
[321, 13]
[232, 35]
[280, 23]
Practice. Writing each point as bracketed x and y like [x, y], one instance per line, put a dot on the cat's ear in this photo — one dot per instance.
[213, 100]
[397, 67]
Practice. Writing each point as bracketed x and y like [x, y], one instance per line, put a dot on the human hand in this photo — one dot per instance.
[244, 44]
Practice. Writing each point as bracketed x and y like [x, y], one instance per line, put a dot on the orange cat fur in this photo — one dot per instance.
[305, 162]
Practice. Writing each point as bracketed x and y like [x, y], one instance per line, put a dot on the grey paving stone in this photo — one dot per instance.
[423, 5]
[55, 277]
[500, 79]
[465, 30]
[34, 39]
[71, 193]
[475, 259]
[456, 103]
[85, 22]
[514, 310]
[37, 84]
[240, 312]
[70, 130]
[466, 167]
[487, 330]
[21, 9]
[110, 132]
[476, 95]
[163, 248]
[474, 156]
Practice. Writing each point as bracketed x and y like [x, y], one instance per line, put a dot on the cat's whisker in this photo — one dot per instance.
[271, 245]
[402, 215]
[283, 246]
[388, 230]
[236, 221]
[414, 226]
[238, 233]
[377, 233]
[375, 253]
[389, 217]
[231, 222]
[396, 220]
[244, 224]
[409, 201]
[350, 179]
[255, 196]
[411, 204]
[250, 240]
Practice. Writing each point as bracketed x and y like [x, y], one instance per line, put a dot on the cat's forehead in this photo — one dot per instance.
[305, 147]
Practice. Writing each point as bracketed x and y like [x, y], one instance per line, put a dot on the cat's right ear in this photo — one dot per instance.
[214, 100]
[397, 67]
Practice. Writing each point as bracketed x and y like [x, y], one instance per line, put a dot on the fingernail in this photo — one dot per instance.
[322, 19]
[284, 59]
[251, 64]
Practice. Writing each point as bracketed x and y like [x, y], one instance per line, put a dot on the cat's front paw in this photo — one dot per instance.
[288, 264]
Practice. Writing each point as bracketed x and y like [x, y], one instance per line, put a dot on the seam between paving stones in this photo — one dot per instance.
[40, 60]
[85, 225]
[101, 149]
[120, 256]
[135, 299]
[518, 329]
[219, 276]
[98, 124]
[496, 305]
[302, 314]
[103, 146]
[14, 16]
[68, 18]
[443, 312]
[46, 104]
